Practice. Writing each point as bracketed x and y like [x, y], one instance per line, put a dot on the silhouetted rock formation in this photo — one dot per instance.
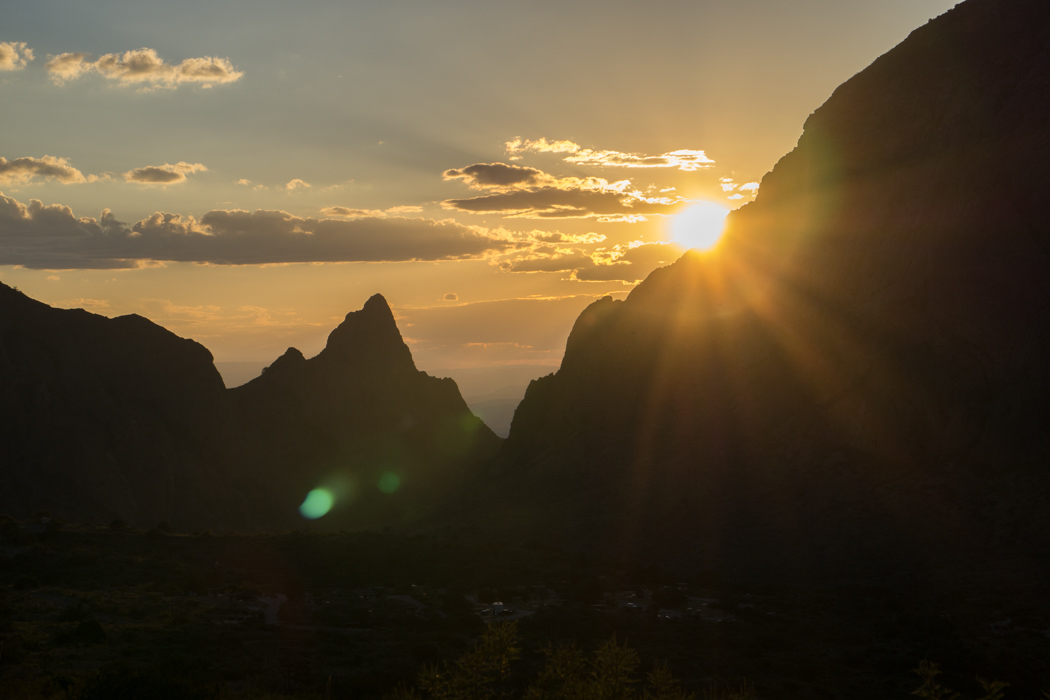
[859, 374]
[104, 419]
[107, 418]
[360, 411]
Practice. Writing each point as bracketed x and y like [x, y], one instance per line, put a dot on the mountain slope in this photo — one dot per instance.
[107, 418]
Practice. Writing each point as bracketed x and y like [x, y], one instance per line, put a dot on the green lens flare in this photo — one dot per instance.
[317, 503]
[389, 482]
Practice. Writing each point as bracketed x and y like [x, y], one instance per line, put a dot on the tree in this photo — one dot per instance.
[613, 671]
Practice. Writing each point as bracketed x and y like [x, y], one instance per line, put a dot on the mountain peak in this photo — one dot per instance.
[368, 337]
[377, 304]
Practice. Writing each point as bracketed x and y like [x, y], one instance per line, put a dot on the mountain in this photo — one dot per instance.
[104, 419]
[108, 418]
[856, 378]
[362, 421]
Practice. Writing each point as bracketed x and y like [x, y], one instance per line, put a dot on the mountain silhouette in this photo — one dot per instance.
[107, 418]
[858, 374]
[359, 411]
[104, 419]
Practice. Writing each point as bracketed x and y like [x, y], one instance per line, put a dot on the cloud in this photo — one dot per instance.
[14, 55]
[83, 303]
[351, 213]
[68, 66]
[622, 219]
[143, 68]
[629, 263]
[51, 237]
[541, 260]
[166, 174]
[499, 176]
[296, 184]
[682, 159]
[451, 296]
[354, 213]
[22, 170]
[729, 185]
[517, 191]
[557, 203]
[559, 237]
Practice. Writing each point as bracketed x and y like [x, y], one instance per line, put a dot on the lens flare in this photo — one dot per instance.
[389, 482]
[317, 503]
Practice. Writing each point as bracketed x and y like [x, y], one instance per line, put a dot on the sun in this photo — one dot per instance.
[700, 226]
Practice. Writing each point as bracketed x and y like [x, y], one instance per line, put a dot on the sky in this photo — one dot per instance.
[246, 173]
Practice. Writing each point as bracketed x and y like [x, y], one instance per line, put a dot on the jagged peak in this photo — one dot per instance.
[291, 357]
[376, 304]
[368, 335]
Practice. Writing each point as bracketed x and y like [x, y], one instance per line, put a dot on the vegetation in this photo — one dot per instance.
[92, 611]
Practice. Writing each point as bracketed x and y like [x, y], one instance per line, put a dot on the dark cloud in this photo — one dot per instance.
[166, 174]
[557, 203]
[52, 237]
[517, 191]
[22, 170]
[498, 175]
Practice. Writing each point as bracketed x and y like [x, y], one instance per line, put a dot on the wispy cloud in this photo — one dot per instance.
[683, 159]
[143, 68]
[166, 174]
[14, 55]
[626, 263]
[735, 191]
[23, 170]
[42, 236]
[83, 303]
[354, 213]
[351, 213]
